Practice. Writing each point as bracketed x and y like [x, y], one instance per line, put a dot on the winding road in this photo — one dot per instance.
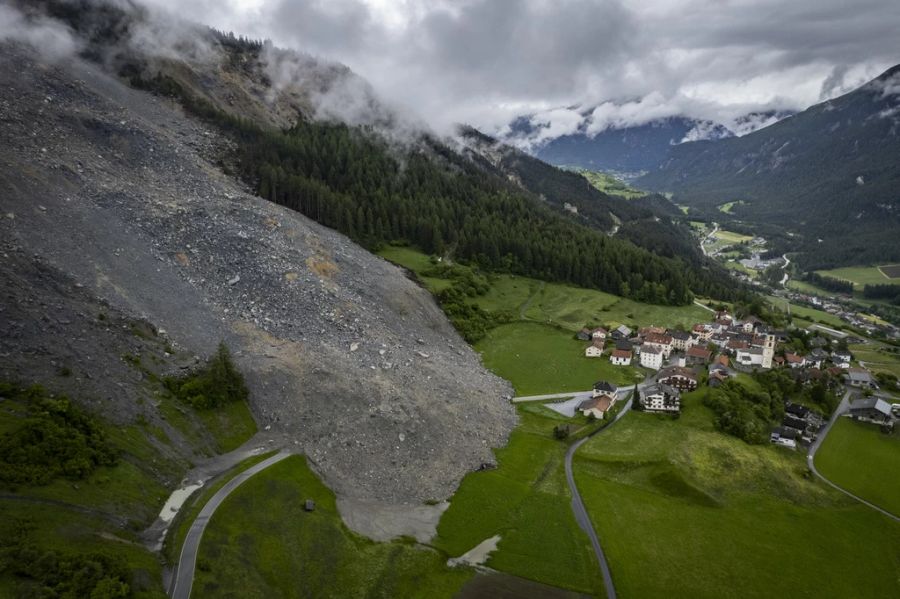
[581, 515]
[184, 574]
[811, 456]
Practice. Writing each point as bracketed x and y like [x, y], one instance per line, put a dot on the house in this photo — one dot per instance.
[791, 421]
[786, 437]
[697, 355]
[724, 316]
[873, 409]
[605, 388]
[620, 357]
[735, 344]
[752, 323]
[596, 406]
[794, 361]
[795, 409]
[860, 377]
[595, 349]
[681, 340]
[702, 331]
[583, 335]
[841, 357]
[624, 345]
[749, 357]
[661, 341]
[683, 379]
[621, 332]
[651, 330]
[778, 361]
[599, 333]
[660, 398]
[651, 357]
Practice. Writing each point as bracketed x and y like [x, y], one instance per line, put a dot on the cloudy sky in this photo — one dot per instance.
[485, 62]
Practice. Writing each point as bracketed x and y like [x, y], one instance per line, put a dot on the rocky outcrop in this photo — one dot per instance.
[347, 360]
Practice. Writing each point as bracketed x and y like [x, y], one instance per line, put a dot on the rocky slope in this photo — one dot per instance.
[117, 193]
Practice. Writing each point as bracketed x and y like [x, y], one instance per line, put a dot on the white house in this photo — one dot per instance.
[594, 350]
[599, 333]
[651, 357]
[660, 341]
[661, 398]
[620, 357]
[605, 388]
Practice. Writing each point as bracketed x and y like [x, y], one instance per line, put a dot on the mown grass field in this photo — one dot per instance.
[525, 501]
[728, 207]
[726, 238]
[539, 359]
[683, 511]
[863, 460]
[860, 276]
[261, 543]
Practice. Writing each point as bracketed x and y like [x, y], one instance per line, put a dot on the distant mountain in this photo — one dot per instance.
[829, 173]
[629, 150]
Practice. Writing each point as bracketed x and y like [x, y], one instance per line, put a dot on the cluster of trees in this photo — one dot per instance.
[885, 291]
[215, 384]
[55, 439]
[829, 283]
[743, 412]
[50, 573]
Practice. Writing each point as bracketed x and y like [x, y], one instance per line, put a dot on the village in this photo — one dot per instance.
[680, 361]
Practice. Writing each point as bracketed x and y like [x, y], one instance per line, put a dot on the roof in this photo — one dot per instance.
[621, 353]
[871, 403]
[658, 338]
[794, 422]
[695, 351]
[660, 388]
[682, 335]
[605, 386]
[859, 375]
[601, 402]
[793, 358]
[676, 371]
[723, 360]
[623, 330]
[650, 349]
[738, 344]
[796, 409]
[599, 330]
[597, 343]
[785, 433]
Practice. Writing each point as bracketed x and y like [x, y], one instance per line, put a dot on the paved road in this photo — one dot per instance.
[811, 456]
[549, 396]
[184, 575]
[581, 515]
[786, 276]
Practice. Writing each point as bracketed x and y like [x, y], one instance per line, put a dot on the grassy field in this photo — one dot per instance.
[879, 357]
[539, 359]
[261, 543]
[610, 185]
[808, 314]
[859, 276]
[562, 305]
[852, 444]
[191, 509]
[683, 511]
[727, 208]
[526, 501]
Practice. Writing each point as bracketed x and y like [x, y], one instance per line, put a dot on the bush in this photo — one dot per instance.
[55, 439]
[215, 384]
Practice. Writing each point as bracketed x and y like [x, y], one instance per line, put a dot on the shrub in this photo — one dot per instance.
[215, 384]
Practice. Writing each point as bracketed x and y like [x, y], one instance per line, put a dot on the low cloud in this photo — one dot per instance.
[50, 38]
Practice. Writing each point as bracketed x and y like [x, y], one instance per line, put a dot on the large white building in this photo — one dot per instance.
[651, 357]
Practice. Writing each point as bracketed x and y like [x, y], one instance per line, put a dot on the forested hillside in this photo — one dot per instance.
[829, 174]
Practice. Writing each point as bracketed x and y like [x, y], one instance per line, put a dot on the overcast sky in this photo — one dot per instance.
[484, 62]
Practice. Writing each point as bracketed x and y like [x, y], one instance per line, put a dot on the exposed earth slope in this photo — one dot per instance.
[117, 192]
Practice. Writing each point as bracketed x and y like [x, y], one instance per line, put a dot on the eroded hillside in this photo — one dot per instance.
[346, 359]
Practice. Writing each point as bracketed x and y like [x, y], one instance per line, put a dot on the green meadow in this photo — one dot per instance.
[684, 511]
[860, 458]
[261, 543]
[860, 276]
